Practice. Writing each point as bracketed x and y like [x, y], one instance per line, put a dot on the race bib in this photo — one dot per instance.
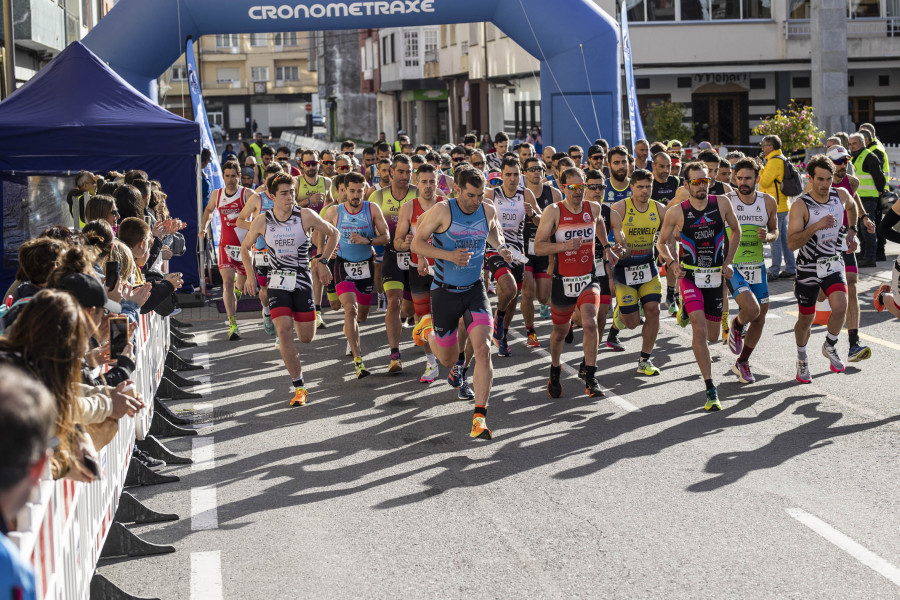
[752, 273]
[261, 258]
[573, 286]
[829, 266]
[233, 252]
[708, 278]
[431, 270]
[282, 280]
[531, 247]
[357, 270]
[600, 267]
[403, 260]
[637, 275]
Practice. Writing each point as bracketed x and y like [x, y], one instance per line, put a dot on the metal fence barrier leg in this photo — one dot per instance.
[123, 542]
[132, 511]
[183, 336]
[177, 323]
[173, 376]
[180, 343]
[167, 389]
[174, 361]
[171, 417]
[162, 427]
[103, 589]
[140, 475]
[156, 449]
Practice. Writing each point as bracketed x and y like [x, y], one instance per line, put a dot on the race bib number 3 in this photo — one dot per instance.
[752, 273]
[573, 286]
[637, 275]
[357, 270]
[282, 280]
[829, 266]
[403, 260]
[233, 252]
[708, 278]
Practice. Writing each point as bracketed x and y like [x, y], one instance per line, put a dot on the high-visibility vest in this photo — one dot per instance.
[866, 187]
[884, 165]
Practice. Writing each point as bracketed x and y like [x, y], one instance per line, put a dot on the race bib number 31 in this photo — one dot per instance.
[752, 273]
[708, 278]
[573, 286]
[282, 280]
[357, 270]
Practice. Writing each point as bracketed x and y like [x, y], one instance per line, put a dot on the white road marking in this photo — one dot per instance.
[203, 453]
[206, 575]
[857, 551]
[204, 514]
[201, 358]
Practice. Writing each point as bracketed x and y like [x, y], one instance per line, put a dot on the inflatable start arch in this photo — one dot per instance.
[140, 39]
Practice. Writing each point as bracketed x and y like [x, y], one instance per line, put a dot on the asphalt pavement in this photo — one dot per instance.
[375, 490]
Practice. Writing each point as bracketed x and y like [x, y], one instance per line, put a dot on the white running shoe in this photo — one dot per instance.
[430, 374]
[830, 352]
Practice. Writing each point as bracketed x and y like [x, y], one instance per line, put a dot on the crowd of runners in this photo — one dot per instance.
[604, 241]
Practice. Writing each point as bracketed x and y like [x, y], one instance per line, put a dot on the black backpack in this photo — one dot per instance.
[791, 184]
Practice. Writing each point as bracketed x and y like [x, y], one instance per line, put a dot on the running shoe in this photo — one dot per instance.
[672, 305]
[646, 367]
[410, 322]
[570, 337]
[682, 316]
[268, 325]
[360, 367]
[237, 294]
[532, 340]
[742, 370]
[545, 311]
[502, 347]
[492, 288]
[233, 332]
[592, 388]
[320, 322]
[830, 352]
[480, 429]
[613, 344]
[498, 329]
[554, 387]
[803, 374]
[465, 391]
[421, 330]
[712, 400]
[617, 321]
[277, 343]
[858, 353]
[430, 374]
[735, 339]
[877, 300]
[396, 365]
[455, 376]
[299, 398]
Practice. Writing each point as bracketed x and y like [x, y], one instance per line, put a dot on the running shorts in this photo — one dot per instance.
[709, 300]
[450, 305]
[297, 303]
[345, 282]
[393, 277]
[739, 284]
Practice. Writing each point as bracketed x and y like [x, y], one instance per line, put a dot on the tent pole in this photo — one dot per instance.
[201, 249]
[9, 49]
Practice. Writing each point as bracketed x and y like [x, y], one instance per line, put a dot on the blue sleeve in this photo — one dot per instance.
[131, 310]
[16, 576]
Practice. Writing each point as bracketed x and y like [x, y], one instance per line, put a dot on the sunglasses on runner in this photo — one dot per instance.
[595, 187]
[839, 161]
[599, 156]
[576, 157]
[495, 181]
[327, 162]
[457, 159]
[574, 186]
[310, 163]
[535, 169]
[344, 168]
[478, 165]
[699, 181]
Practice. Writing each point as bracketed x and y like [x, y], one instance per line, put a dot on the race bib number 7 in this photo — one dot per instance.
[573, 286]
[282, 280]
[357, 270]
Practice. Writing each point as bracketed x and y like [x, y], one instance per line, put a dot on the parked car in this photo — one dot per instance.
[217, 132]
[318, 120]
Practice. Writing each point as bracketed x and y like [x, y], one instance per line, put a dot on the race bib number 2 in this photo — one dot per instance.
[282, 280]
[829, 266]
[357, 270]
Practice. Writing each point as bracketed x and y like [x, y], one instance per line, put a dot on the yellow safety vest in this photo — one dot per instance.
[866, 187]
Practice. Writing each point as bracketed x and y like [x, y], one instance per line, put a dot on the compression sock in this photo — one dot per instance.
[801, 352]
[745, 353]
[709, 384]
[854, 337]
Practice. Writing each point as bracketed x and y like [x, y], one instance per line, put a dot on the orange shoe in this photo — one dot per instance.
[299, 398]
[480, 429]
[883, 289]
[421, 330]
[533, 341]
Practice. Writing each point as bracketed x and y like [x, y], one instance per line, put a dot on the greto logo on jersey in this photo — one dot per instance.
[586, 233]
[340, 9]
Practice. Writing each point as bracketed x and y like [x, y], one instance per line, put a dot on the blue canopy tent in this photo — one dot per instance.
[75, 114]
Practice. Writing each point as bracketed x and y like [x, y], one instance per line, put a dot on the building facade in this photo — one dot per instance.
[348, 110]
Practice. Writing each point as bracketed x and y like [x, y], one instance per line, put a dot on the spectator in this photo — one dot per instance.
[129, 202]
[487, 144]
[133, 174]
[136, 235]
[36, 260]
[227, 153]
[872, 183]
[49, 340]
[85, 182]
[103, 207]
[770, 178]
[27, 423]
[99, 237]
[205, 182]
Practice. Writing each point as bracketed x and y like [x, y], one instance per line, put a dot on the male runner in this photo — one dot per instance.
[230, 201]
[286, 229]
[536, 282]
[664, 188]
[459, 229]
[887, 296]
[700, 223]
[618, 187]
[635, 223]
[572, 224]
[314, 192]
[501, 145]
[421, 268]
[815, 226]
[512, 204]
[841, 158]
[254, 207]
[524, 152]
[757, 215]
[328, 162]
[395, 264]
[594, 190]
[361, 225]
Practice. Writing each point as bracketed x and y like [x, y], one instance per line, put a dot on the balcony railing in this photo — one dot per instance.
[856, 28]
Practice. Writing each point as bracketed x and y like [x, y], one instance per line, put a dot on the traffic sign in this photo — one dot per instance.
[309, 108]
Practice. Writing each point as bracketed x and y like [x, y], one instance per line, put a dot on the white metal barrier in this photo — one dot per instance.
[63, 529]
